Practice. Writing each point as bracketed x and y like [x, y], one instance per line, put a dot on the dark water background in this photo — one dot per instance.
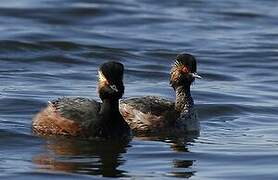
[51, 48]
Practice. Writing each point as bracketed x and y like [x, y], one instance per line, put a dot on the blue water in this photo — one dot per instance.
[52, 48]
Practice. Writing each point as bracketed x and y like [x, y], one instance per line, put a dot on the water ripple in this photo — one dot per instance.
[52, 48]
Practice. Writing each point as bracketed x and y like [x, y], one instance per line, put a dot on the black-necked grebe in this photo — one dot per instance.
[151, 114]
[85, 117]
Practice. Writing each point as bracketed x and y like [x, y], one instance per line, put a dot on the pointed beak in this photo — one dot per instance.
[113, 87]
[195, 75]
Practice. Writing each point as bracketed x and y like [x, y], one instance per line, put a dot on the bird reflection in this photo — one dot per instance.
[83, 157]
[181, 167]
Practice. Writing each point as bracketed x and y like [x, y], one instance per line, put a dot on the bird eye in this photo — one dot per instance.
[185, 69]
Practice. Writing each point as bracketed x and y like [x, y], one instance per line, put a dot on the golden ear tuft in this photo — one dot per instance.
[101, 78]
[176, 66]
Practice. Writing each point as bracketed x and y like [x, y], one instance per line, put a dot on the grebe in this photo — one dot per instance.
[151, 114]
[86, 117]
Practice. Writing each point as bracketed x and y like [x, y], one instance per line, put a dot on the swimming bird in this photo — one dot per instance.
[83, 117]
[152, 114]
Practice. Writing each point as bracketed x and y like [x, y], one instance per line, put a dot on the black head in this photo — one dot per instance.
[183, 72]
[111, 80]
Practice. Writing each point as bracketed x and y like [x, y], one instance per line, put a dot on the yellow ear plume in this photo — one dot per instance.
[101, 78]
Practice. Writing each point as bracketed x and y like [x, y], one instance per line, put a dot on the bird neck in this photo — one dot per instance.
[109, 108]
[183, 98]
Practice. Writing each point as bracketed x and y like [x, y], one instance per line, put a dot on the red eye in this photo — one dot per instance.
[185, 69]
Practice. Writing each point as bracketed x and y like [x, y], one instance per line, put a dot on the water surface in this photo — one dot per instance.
[52, 48]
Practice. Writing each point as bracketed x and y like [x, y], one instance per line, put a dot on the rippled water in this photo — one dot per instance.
[52, 48]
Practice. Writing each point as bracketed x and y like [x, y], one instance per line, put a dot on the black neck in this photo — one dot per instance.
[109, 108]
[111, 123]
[183, 98]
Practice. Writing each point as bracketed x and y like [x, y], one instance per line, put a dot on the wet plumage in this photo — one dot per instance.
[67, 116]
[85, 117]
[152, 114]
[147, 113]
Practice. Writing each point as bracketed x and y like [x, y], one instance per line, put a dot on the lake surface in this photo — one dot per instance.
[51, 48]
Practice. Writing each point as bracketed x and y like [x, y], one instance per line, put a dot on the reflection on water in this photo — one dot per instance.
[84, 157]
[182, 164]
[105, 158]
[176, 159]
[51, 48]
[182, 168]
